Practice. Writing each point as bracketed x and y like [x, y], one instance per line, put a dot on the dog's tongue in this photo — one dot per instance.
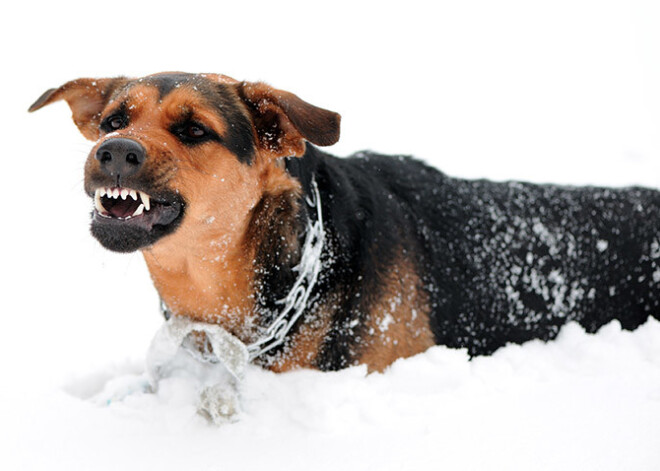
[120, 208]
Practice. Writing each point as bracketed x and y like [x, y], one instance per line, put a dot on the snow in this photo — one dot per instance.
[564, 92]
[582, 402]
[207, 357]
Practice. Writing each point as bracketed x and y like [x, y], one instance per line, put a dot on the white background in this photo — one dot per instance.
[557, 91]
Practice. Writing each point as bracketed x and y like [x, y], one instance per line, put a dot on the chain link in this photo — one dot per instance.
[308, 270]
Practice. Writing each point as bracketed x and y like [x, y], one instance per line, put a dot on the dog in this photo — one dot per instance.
[321, 262]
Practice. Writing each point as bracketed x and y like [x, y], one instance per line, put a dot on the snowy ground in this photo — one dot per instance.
[582, 402]
[566, 92]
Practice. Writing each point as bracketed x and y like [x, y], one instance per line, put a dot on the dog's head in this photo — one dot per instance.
[178, 152]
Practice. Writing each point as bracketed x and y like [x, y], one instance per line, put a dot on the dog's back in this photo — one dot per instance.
[503, 262]
[395, 258]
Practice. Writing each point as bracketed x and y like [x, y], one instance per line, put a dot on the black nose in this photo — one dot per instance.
[120, 157]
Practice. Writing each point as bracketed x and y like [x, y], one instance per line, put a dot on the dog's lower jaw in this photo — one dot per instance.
[135, 233]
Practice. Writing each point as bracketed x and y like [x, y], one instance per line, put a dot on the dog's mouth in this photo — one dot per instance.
[126, 219]
[121, 203]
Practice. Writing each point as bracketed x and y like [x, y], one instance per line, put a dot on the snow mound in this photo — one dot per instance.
[580, 402]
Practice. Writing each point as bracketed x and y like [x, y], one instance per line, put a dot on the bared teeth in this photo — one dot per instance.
[124, 193]
[145, 200]
[97, 201]
[139, 211]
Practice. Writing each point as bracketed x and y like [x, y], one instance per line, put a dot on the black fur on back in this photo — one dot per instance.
[500, 262]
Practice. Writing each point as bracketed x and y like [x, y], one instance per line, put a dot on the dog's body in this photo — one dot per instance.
[496, 262]
[411, 257]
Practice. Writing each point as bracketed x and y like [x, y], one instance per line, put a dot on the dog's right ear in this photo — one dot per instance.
[283, 122]
[86, 97]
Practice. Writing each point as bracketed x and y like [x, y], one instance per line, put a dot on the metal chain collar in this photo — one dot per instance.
[308, 270]
[295, 302]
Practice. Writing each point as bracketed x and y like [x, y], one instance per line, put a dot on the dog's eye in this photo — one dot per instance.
[116, 122]
[113, 123]
[195, 132]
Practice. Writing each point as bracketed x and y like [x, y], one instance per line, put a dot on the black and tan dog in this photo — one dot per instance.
[209, 178]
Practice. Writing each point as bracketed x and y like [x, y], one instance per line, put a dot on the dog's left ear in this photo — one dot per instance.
[86, 97]
[283, 122]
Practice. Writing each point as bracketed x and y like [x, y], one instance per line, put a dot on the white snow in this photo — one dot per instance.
[581, 402]
[564, 91]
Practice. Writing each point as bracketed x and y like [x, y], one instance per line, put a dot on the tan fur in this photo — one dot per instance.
[86, 97]
[397, 326]
[283, 121]
[306, 343]
[398, 323]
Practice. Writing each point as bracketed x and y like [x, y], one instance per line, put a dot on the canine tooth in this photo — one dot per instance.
[124, 193]
[97, 201]
[115, 193]
[139, 211]
[133, 194]
[145, 200]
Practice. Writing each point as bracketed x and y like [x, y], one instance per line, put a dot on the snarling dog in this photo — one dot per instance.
[322, 262]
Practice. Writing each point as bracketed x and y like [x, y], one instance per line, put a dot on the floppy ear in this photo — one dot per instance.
[86, 97]
[284, 122]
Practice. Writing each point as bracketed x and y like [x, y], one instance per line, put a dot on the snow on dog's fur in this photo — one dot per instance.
[207, 177]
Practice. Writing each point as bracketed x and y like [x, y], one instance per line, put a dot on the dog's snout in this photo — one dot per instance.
[121, 157]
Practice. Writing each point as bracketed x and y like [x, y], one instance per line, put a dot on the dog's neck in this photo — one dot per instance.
[233, 274]
[208, 281]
